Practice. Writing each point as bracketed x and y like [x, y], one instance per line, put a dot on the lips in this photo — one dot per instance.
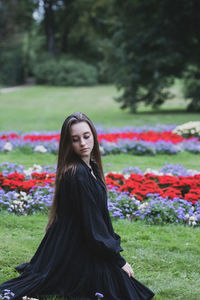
[85, 149]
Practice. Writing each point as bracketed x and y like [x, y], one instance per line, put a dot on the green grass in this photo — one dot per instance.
[110, 162]
[45, 108]
[28, 159]
[119, 162]
[163, 257]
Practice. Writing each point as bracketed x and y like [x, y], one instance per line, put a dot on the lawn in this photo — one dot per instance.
[45, 108]
[163, 257]
[113, 162]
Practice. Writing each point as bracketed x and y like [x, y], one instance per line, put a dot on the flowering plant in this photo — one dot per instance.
[189, 129]
[25, 204]
[6, 295]
[140, 186]
[138, 141]
[99, 295]
[17, 182]
[155, 210]
[168, 195]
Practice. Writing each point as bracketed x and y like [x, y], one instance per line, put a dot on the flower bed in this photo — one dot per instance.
[166, 186]
[171, 194]
[27, 192]
[133, 140]
[155, 210]
[189, 129]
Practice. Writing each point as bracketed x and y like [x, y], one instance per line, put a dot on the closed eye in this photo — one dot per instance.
[77, 139]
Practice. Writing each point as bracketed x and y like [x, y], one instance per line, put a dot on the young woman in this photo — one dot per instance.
[79, 256]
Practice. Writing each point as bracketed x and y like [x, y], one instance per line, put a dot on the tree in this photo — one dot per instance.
[74, 26]
[154, 43]
[81, 27]
[49, 25]
[15, 20]
[35, 30]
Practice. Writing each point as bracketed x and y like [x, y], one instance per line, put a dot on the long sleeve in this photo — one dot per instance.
[92, 220]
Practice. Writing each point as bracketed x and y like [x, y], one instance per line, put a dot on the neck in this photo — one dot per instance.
[86, 160]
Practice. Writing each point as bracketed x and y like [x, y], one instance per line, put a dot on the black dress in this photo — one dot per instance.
[80, 253]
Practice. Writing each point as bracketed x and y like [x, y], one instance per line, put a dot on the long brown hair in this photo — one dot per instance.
[67, 159]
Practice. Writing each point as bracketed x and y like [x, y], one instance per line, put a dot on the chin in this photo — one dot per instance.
[86, 154]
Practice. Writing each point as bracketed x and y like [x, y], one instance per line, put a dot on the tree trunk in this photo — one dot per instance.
[67, 25]
[49, 25]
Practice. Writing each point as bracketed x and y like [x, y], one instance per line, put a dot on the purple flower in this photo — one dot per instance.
[6, 295]
[99, 295]
[121, 146]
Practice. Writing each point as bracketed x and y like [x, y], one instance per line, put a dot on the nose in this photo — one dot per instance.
[82, 142]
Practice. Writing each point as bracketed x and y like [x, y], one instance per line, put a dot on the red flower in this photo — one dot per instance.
[10, 136]
[16, 176]
[149, 136]
[140, 186]
[42, 137]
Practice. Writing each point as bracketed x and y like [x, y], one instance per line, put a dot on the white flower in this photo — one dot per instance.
[126, 176]
[23, 194]
[40, 148]
[192, 127]
[151, 171]
[8, 147]
[137, 202]
[193, 218]
[28, 172]
[187, 216]
[35, 168]
[16, 202]
[143, 206]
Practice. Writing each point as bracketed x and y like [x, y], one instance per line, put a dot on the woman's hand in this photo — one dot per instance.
[128, 269]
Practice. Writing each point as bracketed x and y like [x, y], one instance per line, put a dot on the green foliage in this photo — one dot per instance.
[12, 67]
[65, 72]
[15, 17]
[191, 87]
[15, 20]
[153, 44]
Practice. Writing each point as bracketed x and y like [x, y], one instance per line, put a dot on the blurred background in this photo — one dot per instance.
[148, 49]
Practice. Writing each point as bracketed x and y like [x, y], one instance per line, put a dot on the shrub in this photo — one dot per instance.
[12, 67]
[65, 72]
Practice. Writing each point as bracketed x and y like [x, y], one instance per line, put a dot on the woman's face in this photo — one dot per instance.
[82, 139]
